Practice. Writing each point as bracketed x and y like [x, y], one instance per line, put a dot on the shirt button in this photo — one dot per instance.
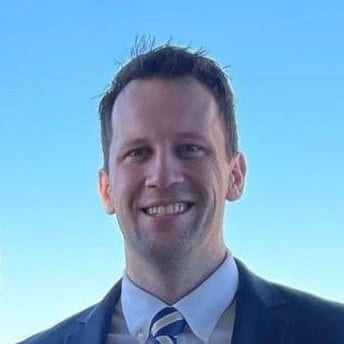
[141, 337]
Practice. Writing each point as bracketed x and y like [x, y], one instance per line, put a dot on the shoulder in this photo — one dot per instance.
[310, 318]
[273, 294]
[308, 309]
[87, 326]
[304, 317]
[58, 333]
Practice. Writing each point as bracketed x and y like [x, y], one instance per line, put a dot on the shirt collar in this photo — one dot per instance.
[139, 307]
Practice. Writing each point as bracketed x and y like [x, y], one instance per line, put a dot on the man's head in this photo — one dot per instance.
[171, 62]
[169, 164]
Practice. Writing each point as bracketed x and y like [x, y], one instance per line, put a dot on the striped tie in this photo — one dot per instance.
[166, 326]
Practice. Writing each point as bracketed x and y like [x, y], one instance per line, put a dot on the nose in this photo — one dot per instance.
[164, 170]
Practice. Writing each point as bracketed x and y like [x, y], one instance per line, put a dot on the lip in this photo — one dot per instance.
[166, 217]
[165, 203]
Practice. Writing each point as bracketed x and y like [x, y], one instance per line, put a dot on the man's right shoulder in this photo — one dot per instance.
[59, 333]
[86, 327]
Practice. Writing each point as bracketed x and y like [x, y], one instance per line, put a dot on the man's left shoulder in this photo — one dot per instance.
[297, 316]
[310, 305]
[310, 314]
[301, 302]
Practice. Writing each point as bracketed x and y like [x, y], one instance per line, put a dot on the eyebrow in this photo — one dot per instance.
[190, 135]
[141, 141]
[133, 143]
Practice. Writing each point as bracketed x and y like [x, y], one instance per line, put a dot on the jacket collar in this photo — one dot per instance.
[260, 310]
[93, 324]
[259, 318]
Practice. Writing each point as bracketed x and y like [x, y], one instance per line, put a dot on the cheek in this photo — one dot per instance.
[205, 180]
[217, 179]
[211, 170]
[125, 184]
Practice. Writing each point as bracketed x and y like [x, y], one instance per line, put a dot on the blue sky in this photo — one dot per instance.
[59, 252]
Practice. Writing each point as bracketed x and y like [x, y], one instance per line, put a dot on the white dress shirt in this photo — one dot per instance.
[209, 310]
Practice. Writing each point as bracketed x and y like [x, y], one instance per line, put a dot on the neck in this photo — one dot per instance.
[172, 279]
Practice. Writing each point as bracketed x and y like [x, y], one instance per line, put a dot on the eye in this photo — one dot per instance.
[189, 150]
[138, 154]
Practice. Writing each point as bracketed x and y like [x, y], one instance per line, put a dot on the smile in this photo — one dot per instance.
[168, 209]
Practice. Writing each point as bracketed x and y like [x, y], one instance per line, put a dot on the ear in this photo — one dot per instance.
[237, 177]
[105, 191]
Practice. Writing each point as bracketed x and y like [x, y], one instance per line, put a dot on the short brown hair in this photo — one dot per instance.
[169, 62]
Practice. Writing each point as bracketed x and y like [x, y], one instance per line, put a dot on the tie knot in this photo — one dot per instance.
[166, 326]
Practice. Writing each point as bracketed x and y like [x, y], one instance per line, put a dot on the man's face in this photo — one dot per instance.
[169, 175]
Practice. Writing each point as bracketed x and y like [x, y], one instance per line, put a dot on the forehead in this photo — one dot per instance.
[164, 107]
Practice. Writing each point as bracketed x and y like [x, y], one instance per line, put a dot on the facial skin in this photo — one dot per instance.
[168, 149]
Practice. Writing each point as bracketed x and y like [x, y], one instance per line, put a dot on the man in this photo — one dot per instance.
[171, 161]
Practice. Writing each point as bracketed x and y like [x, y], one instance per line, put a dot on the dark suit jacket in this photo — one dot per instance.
[266, 313]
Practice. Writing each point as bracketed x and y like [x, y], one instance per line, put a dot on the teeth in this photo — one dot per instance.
[170, 209]
[161, 211]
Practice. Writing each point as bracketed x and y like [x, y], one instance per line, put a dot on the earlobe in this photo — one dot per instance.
[104, 190]
[237, 177]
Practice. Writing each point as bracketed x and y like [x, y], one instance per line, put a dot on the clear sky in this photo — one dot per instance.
[59, 251]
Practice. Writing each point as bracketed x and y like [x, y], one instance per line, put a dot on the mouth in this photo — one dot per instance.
[176, 208]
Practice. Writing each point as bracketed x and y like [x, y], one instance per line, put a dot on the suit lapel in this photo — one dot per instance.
[93, 327]
[260, 317]
[260, 311]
